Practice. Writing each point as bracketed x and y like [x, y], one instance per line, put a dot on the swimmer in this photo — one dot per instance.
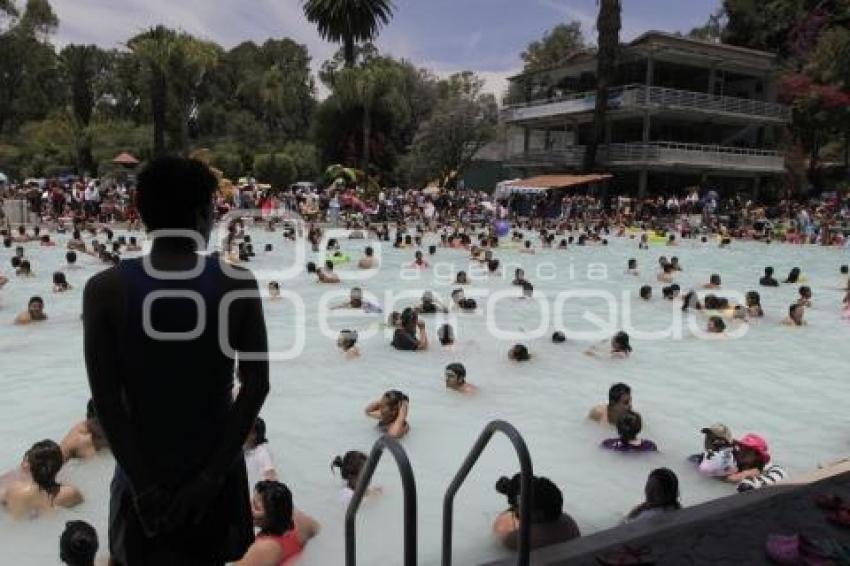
[632, 268]
[558, 337]
[24, 269]
[405, 336]
[368, 261]
[493, 266]
[419, 261]
[691, 301]
[391, 412]
[527, 290]
[645, 292]
[446, 335]
[671, 240]
[350, 466]
[394, 320]
[86, 438]
[666, 273]
[619, 401]
[274, 291]
[35, 490]
[76, 242]
[527, 249]
[347, 342]
[662, 496]
[259, 462]
[78, 544]
[461, 278]
[768, 280]
[550, 525]
[795, 315]
[715, 325]
[629, 426]
[754, 305]
[713, 282]
[34, 313]
[355, 301]
[327, 274]
[793, 276]
[519, 277]
[670, 292]
[805, 296]
[674, 263]
[463, 303]
[60, 283]
[643, 244]
[283, 530]
[430, 305]
[456, 379]
[519, 353]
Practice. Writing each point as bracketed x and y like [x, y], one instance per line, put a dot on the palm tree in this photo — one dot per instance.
[348, 21]
[153, 50]
[608, 25]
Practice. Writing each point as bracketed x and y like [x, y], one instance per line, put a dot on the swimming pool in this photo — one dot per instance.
[787, 384]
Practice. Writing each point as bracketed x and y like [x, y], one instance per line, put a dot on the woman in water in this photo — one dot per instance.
[768, 280]
[461, 278]
[391, 412]
[274, 291]
[666, 273]
[662, 496]
[456, 379]
[34, 490]
[619, 402]
[549, 524]
[419, 261]
[60, 283]
[793, 276]
[86, 438]
[805, 296]
[284, 531]
[347, 342]
[619, 347]
[350, 466]
[258, 457]
[446, 335]
[754, 309]
[629, 426]
[24, 269]
[716, 325]
[430, 305]
[795, 315]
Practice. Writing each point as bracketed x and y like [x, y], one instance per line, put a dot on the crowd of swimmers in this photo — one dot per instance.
[32, 488]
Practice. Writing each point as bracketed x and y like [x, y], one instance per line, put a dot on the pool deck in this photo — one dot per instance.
[727, 531]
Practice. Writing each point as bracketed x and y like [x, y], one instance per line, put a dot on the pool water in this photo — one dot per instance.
[789, 384]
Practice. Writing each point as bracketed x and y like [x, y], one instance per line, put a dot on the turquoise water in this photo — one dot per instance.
[787, 384]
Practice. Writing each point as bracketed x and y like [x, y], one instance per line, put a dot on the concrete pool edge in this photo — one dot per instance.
[729, 530]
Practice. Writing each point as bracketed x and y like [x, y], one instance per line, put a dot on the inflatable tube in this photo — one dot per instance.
[338, 259]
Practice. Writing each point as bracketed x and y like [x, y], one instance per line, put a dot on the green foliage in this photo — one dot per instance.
[555, 46]
[276, 169]
[230, 164]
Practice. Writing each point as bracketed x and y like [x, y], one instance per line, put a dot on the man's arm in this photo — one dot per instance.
[100, 299]
[248, 334]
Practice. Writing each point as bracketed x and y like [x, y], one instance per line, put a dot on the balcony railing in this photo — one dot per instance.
[643, 97]
[662, 153]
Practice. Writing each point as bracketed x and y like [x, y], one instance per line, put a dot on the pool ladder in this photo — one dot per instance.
[409, 489]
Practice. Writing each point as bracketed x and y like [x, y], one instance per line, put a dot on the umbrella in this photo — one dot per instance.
[126, 159]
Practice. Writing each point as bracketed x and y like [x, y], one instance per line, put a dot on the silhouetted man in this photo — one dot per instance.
[163, 384]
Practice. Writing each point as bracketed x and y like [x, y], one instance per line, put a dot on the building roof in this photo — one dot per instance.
[560, 181]
[664, 40]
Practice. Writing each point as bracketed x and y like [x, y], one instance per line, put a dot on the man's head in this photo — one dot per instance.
[175, 193]
[78, 544]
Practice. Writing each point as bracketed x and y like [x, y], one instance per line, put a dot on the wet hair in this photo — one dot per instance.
[277, 507]
[59, 280]
[663, 489]
[717, 323]
[311, 267]
[173, 191]
[632, 263]
[7, 242]
[527, 289]
[629, 425]
[645, 292]
[408, 317]
[805, 292]
[432, 250]
[793, 275]
[350, 465]
[459, 370]
[347, 339]
[493, 265]
[519, 353]
[558, 337]
[45, 460]
[35, 299]
[714, 279]
[844, 268]
[268, 247]
[621, 339]
[25, 265]
[446, 335]
[617, 392]
[16, 262]
[274, 285]
[45, 239]
[753, 298]
[78, 544]
[768, 271]
[461, 276]
[691, 300]
[547, 501]
[369, 251]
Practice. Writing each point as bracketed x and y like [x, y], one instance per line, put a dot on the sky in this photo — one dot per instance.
[445, 36]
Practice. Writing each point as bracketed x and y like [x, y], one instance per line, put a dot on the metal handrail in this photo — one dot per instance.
[526, 474]
[408, 484]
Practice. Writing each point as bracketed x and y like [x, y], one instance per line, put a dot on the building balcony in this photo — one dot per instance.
[661, 155]
[654, 99]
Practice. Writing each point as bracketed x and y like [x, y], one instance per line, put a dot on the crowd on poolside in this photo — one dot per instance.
[745, 461]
